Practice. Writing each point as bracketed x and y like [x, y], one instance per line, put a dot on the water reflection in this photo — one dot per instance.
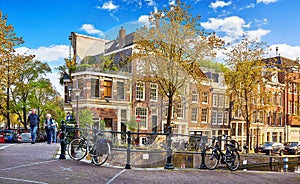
[285, 167]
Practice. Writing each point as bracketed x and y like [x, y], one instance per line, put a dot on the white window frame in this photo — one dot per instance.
[194, 114]
[153, 92]
[215, 101]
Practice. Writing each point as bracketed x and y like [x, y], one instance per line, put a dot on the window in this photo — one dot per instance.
[280, 99]
[220, 117]
[154, 120]
[214, 117]
[221, 101]
[215, 100]
[290, 107]
[195, 96]
[269, 118]
[274, 118]
[153, 91]
[194, 114]
[205, 97]
[280, 119]
[274, 98]
[204, 114]
[123, 116]
[120, 90]
[142, 112]
[180, 110]
[226, 118]
[226, 102]
[107, 89]
[140, 91]
[95, 90]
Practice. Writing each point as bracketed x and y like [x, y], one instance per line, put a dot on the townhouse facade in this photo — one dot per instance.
[113, 97]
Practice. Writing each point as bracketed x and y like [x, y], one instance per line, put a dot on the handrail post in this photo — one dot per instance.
[169, 164]
[62, 140]
[128, 164]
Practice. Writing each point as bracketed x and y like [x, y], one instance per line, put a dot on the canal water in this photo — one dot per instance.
[285, 166]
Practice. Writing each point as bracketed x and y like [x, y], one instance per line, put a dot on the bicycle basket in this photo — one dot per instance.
[101, 146]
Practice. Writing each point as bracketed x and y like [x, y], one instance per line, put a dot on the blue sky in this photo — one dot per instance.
[45, 25]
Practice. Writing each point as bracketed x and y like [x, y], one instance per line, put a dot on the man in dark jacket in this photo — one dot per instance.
[33, 120]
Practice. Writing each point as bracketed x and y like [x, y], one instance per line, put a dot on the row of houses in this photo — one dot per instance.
[115, 98]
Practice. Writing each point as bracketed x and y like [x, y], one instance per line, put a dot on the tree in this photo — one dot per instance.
[246, 78]
[9, 63]
[169, 49]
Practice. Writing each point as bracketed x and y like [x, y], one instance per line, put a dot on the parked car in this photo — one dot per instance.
[273, 148]
[9, 136]
[24, 138]
[292, 148]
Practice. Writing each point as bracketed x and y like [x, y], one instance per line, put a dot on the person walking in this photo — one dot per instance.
[54, 140]
[49, 127]
[33, 120]
[69, 117]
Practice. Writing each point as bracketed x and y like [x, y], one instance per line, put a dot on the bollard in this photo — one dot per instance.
[62, 140]
[169, 164]
[202, 166]
[128, 164]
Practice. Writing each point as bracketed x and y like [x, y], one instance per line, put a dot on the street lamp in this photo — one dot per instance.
[77, 94]
[257, 129]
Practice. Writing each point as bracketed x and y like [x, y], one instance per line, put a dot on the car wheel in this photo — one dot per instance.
[281, 153]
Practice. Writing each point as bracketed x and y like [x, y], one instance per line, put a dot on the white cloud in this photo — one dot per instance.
[266, 1]
[109, 6]
[144, 19]
[287, 51]
[90, 29]
[257, 34]
[219, 4]
[151, 2]
[172, 2]
[231, 26]
[46, 54]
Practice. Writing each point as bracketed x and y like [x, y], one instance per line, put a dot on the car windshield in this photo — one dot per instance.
[292, 144]
[268, 143]
[27, 135]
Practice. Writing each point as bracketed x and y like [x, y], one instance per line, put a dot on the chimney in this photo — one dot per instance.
[122, 34]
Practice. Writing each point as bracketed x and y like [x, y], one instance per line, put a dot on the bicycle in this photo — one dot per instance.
[82, 146]
[213, 154]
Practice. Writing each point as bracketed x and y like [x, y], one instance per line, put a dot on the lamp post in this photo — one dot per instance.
[257, 129]
[77, 93]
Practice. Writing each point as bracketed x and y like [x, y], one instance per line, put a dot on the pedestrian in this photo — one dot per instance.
[49, 127]
[54, 140]
[69, 117]
[34, 121]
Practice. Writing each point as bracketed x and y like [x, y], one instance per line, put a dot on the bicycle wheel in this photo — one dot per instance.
[233, 160]
[100, 155]
[211, 158]
[78, 149]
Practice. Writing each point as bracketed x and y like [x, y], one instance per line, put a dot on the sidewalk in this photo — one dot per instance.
[40, 163]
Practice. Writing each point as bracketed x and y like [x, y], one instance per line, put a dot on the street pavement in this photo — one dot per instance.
[39, 163]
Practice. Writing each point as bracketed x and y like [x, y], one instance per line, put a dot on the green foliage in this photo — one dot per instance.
[85, 118]
[217, 66]
[131, 124]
